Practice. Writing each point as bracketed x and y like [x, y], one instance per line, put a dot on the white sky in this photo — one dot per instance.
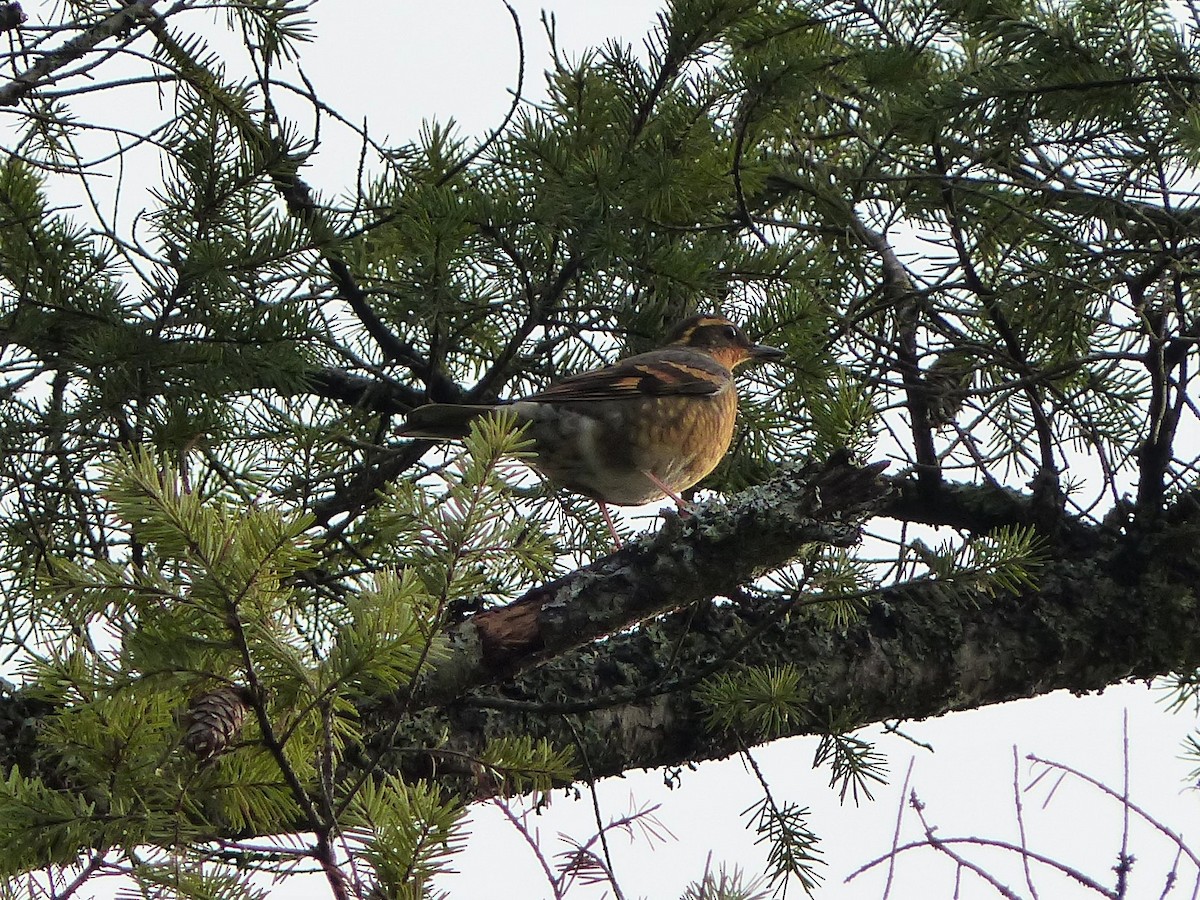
[966, 784]
[397, 63]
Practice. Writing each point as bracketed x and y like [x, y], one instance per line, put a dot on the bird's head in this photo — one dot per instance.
[722, 340]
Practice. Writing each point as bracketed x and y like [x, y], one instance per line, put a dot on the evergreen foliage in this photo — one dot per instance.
[972, 225]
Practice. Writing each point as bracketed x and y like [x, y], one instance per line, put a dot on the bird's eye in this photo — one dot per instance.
[731, 333]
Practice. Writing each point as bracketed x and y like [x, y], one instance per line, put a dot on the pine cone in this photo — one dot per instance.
[214, 719]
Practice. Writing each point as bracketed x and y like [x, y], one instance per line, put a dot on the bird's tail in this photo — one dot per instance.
[442, 421]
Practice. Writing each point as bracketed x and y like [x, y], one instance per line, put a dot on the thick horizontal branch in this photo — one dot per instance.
[975, 508]
[371, 394]
[710, 553]
[1108, 606]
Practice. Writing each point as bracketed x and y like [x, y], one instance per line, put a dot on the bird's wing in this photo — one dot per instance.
[657, 373]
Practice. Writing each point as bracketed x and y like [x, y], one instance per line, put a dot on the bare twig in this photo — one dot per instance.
[52, 61]
[891, 872]
[1020, 811]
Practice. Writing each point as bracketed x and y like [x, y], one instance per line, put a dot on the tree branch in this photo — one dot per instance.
[50, 62]
[1108, 607]
[1110, 604]
[710, 553]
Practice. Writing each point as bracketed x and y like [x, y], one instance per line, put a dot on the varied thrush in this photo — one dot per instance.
[647, 427]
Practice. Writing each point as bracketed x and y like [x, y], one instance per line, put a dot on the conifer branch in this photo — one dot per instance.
[39, 74]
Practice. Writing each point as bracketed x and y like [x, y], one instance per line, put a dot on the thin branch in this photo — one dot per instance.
[533, 842]
[512, 109]
[887, 888]
[1175, 838]
[52, 61]
[902, 294]
[1020, 810]
[990, 300]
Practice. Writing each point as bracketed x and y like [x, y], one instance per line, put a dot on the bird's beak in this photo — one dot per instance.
[763, 353]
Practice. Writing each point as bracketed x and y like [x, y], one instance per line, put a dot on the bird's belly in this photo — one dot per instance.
[595, 451]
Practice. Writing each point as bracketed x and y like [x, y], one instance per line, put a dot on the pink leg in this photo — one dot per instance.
[612, 529]
[684, 507]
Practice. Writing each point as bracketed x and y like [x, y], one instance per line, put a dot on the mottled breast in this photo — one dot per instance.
[603, 449]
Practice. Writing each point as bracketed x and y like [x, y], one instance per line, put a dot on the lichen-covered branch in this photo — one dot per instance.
[704, 555]
[1108, 606]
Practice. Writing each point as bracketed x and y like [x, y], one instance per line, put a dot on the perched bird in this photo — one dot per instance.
[647, 427]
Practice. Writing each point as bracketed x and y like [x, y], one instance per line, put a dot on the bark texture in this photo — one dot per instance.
[1112, 602]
